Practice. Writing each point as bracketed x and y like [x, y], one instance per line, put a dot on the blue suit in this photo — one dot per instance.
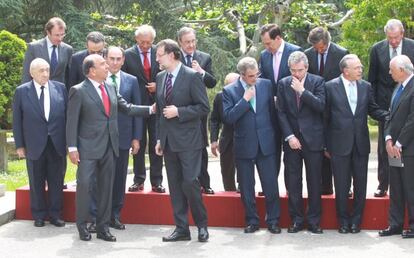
[45, 145]
[130, 128]
[254, 144]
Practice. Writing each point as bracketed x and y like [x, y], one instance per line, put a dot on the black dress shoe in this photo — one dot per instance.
[39, 223]
[203, 234]
[327, 192]
[343, 229]
[92, 227]
[84, 234]
[350, 193]
[295, 228]
[274, 229]
[136, 187]
[238, 189]
[391, 230]
[207, 190]
[106, 236]
[57, 222]
[177, 236]
[251, 228]
[260, 193]
[355, 229]
[116, 224]
[315, 229]
[158, 189]
[380, 193]
[65, 186]
[408, 233]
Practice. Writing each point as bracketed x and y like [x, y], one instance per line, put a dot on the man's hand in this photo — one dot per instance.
[392, 150]
[154, 108]
[21, 152]
[327, 154]
[249, 93]
[170, 112]
[214, 148]
[151, 87]
[158, 149]
[196, 66]
[74, 157]
[298, 85]
[134, 146]
[294, 143]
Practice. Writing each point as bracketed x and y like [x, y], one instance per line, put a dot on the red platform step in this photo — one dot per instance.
[225, 209]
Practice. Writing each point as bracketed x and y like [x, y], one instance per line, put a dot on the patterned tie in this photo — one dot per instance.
[394, 53]
[105, 100]
[276, 66]
[168, 89]
[53, 60]
[147, 66]
[321, 64]
[396, 97]
[42, 100]
[188, 60]
[113, 77]
[353, 96]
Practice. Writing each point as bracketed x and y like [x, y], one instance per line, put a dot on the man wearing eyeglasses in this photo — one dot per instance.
[95, 43]
[52, 49]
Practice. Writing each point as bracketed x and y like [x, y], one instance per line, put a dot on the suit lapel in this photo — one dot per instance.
[140, 67]
[161, 90]
[45, 52]
[386, 56]
[342, 92]
[52, 95]
[360, 96]
[153, 64]
[91, 91]
[404, 94]
[34, 99]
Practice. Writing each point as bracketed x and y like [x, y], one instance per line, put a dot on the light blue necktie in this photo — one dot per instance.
[252, 101]
[353, 96]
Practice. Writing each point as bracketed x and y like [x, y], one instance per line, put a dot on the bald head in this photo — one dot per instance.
[39, 70]
[401, 68]
[230, 78]
[95, 67]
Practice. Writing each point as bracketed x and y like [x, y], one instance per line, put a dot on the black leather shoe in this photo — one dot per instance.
[207, 190]
[260, 193]
[295, 228]
[380, 193]
[350, 193]
[203, 234]
[39, 223]
[391, 230]
[408, 233]
[251, 228]
[158, 189]
[343, 229]
[84, 234]
[106, 236]
[355, 229]
[57, 222]
[177, 236]
[65, 186]
[274, 229]
[92, 227]
[116, 224]
[315, 229]
[238, 188]
[136, 187]
[327, 192]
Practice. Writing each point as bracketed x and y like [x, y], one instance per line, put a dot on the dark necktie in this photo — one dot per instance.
[105, 100]
[42, 100]
[168, 89]
[147, 66]
[113, 77]
[188, 60]
[321, 64]
[396, 97]
[297, 99]
[53, 60]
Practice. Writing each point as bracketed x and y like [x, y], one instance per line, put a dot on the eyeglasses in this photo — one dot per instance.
[251, 76]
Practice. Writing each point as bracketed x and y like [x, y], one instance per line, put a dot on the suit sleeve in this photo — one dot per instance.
[28, 58]
[232, 110]
[281, 113]
[73, 115]
[208, 78]
[215, 123]
[374, 110]
[316, 99]
[68, 66]
[373, 70]
[18, 120]
[131, 109]
[73, 73]
[137, 121]
[407, 131]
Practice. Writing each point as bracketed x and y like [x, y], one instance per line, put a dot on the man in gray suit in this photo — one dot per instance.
[51, 48]
[181, 103]
[383, 84]
[93, 143]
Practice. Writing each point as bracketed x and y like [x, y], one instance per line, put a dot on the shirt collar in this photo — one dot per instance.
[49, 43]
[141, 52]
[281, 48]
[37, 85]
[186, 54]
[407, 80]
[176, 70]
[95, 83]
[117, 75]
[398, 47]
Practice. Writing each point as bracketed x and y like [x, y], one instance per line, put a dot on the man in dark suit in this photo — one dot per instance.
[95, 43]
[301, 103]
[39, 117]
[273, 66]
[399, 135]
[383, 84]
[225, 145]
[248, 104]
[93, 142]
[130, 128]
[140, 62]
[181, 103]
[324, 57]
[52, 49]
[201, 63]
[349, 100]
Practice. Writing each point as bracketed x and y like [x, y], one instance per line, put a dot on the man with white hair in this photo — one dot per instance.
[140, 62]
[399, 135]
[383, 85]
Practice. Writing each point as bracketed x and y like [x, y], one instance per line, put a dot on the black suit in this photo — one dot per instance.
[331, 70]
[383, 86]
[76, 75]
[303, 119]
[348, 143]
[134, 66]
[181, 141]
[400, 128]
[228, 169]
[204, 60]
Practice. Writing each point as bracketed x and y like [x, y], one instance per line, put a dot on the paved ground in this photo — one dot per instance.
[21, 239]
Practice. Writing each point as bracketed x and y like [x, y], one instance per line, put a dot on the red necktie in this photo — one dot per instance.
[105, 100]
[147, 66]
